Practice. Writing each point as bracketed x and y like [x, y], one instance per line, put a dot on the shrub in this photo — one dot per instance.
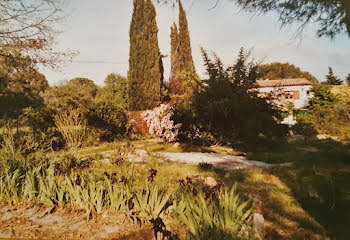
[72, 126]
[303, 127]
[160, 123]
[228, 107]
[109, 120]
[328, 112]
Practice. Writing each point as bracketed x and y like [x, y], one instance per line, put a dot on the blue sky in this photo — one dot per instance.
[99, 31]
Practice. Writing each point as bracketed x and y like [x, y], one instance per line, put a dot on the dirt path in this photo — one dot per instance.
[217, 160]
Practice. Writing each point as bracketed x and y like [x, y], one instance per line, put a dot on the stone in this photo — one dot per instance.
[140, 155]
[211, 182]
[107, 232]
[50, 219]
[259, 225]
[5, 235]
[176, 145]
[107, 161]
[257, 205]
[198, 177]
[7, 216]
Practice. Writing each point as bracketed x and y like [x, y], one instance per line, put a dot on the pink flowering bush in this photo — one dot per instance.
[160, 124]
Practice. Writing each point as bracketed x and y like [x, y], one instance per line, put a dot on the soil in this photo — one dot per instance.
[29, 222]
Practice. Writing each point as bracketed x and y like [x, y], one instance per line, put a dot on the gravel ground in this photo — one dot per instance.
[217, 160]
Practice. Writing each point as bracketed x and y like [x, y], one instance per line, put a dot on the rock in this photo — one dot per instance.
[257, 205]
[5, 235]
[198, 177]
[140, 155]
[211, 182]
[46, 220]
[7, 216]
[107, 161]
[51, 219]
[259, 225]
[176, 145]
[107, 231]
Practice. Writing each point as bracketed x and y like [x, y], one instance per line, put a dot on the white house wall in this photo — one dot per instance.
[303, 100]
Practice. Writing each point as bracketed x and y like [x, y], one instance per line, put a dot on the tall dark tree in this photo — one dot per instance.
[331, 79]
[348, 79]
[144, 61]
[175, 82]
[181, 53]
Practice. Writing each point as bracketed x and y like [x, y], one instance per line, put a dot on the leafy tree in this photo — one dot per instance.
[329, 111]
[331, 79]
[228, 108]
[181, 53]
[333, 17]
[21, 85]
[29, 27]
[278, 70]
[323, 96]
[115, 91]
[77, 93]
[108, 119]
[144, 61]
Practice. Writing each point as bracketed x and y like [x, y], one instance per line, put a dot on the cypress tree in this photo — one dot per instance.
[181, 53]
[144, 59]
[185, 42]
[175, 81]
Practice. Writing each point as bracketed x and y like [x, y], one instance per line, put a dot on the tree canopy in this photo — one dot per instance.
[332, 17]
[29, 27]
[21, 85]
[278, 70]
[77, 93]
[115, 91]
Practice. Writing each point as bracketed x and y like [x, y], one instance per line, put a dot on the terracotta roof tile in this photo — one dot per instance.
[283, 82]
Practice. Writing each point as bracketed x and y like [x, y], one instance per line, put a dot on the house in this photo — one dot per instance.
[296, 91]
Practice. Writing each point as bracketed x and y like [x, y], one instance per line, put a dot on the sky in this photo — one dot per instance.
[99, 32]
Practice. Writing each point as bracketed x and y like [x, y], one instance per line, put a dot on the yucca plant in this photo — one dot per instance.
[225, 218]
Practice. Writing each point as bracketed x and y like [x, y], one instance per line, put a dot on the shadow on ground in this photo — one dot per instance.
[310, 200]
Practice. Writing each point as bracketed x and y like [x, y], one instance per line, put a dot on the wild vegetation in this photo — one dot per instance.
[74, 146]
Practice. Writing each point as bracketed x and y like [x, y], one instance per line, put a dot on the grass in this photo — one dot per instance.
[306, 152]
[152, 145]
[310, 200]
[282, 212]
